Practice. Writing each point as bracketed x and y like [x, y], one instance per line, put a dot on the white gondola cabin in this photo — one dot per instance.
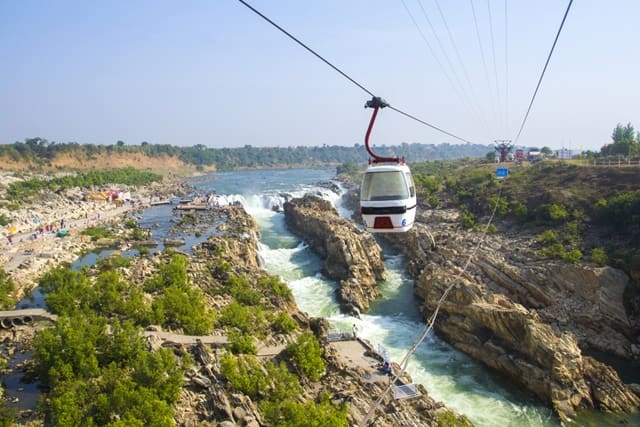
[388, 198]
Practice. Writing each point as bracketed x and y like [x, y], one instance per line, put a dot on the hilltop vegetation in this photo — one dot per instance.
[19, 190]
[42, 154]
[580, 213]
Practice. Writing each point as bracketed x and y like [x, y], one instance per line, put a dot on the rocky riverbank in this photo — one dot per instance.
[351, 256]
[30, 244]
[227, 268]
[528, 319]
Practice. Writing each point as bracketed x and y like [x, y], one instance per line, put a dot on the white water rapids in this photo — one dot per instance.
[393, 322]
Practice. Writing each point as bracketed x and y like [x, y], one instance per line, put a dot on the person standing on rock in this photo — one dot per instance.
[355, 331]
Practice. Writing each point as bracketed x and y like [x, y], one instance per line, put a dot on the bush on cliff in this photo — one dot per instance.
[247, 319]
[173, 272]
[94, 377]
[275, 285]
[308, 414]
[184, 308]
[7, 288]
[306, 355]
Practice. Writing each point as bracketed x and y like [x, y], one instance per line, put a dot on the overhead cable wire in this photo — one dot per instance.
[440, 45]
[345, 75]
[524, 121]
[506, 70]
[428, 327]
[342, 73]
[493, 50]
[484, 62]
[435, 56]
[457, 53]
[391, 107]
[472, 103]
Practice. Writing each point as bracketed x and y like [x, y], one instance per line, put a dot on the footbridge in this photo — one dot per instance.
[11, 318]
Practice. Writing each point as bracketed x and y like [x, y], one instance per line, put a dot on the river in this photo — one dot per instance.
[393, 321]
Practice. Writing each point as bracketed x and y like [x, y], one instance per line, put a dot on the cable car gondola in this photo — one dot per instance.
[387, 194]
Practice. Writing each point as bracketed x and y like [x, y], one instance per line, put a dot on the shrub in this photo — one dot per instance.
[130, 223]
[557, 213]
[187, 219]
[138, 234]
[467, 219]
[246, 319]
[4, 220]
[448, 418]
[501, 205]
[221, 268]
[306, 354]
[555, 251]
[245, 373]
[276, 285]
[309, 414]
[241, 290]
[7, 415]
[599, 256]
[172, 273]
[94, 377]
[283, 323]
[521, 211]
[548, 237]
[66, 290]
[492, 229]
[241, 343]
[184, 308]
[113, 262]
[7, 288]
[97, 233]
[572, 256]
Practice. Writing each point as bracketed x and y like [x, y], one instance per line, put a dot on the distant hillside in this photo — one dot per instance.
[40, 154]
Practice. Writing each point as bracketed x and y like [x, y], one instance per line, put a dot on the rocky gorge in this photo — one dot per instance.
[224, 266]
[529, 320]
[351, 376]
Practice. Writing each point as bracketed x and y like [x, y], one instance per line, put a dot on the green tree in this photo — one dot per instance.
[7, 288]
[624, 141]
[309, 414]
[184, 308]
[172, 273]
[66, 290]
[306, 354]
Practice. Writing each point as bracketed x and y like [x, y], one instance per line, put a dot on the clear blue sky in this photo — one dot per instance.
[213, 73]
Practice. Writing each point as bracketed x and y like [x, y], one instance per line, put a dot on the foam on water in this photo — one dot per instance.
[392, 323]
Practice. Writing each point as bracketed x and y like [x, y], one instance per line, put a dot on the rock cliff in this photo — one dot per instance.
[209, 400]
[350, 255]
[526, 318]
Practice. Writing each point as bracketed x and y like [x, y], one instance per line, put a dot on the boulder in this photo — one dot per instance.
[351, 256]
[526, 318]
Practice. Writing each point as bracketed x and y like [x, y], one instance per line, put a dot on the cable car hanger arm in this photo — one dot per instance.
[377, 103]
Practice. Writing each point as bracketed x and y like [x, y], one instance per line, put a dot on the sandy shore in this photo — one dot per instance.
[31, 252]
